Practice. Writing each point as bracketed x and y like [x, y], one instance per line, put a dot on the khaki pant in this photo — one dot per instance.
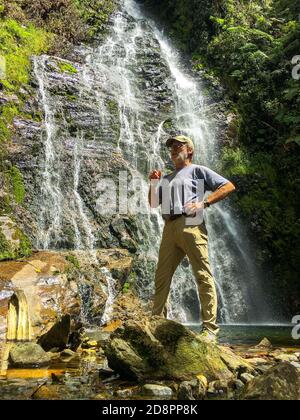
[178, 241]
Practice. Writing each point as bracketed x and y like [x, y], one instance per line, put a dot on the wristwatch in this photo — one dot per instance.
[206, 203]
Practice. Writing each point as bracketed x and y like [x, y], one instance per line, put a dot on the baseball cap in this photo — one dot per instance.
[180, 139]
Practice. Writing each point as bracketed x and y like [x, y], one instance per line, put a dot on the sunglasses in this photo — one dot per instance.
[176, 146]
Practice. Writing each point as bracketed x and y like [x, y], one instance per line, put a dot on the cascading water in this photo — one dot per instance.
[140, 85]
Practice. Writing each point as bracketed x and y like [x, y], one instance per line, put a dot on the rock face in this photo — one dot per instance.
[281, 382]
[28, 355]
[160, 348]
[37, 292]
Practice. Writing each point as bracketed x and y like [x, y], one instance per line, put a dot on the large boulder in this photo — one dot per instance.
[159, 348]
[281, 382]
[28, 355]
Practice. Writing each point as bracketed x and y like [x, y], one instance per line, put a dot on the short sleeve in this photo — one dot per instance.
[212, 180]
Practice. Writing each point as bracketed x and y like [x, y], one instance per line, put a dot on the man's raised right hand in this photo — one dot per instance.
[155, 175]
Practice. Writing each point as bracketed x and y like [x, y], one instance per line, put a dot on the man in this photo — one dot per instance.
[181, 238]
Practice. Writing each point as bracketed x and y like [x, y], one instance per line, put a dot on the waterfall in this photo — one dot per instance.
[138, 89]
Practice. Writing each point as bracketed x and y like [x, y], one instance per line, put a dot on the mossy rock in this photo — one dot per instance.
[13, 242]
[159, 348]
[281, 382]
[66, 67]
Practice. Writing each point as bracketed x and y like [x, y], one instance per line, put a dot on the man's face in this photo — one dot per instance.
[179, 152]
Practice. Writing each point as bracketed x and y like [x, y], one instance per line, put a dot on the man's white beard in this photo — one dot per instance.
[182, 156]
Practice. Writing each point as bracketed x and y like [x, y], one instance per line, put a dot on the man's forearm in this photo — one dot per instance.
[221, 193]
[153, 196]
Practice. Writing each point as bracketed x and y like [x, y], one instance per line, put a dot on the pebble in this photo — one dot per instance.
[157, 390]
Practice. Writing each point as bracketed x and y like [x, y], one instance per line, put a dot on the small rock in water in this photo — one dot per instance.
[125, 393]
[67, 353]
[246, 378]
[257, 361]
[212, 391]
[261, 369]
[193, 390]
[47, 392]
[157, 390]
[265, 343]
[89, 344]
[238, 384]
[25, 355]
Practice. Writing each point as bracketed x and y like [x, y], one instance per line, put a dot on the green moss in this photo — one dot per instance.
[96, 14]
[15, 180]
[73, 260]
[8, 252]
[67, 68]
[17, 44]
[5, 249]
[25, 248]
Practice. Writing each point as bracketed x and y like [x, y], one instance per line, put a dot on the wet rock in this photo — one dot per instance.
[47, 392]
[4, 99]
[235, 363]
[281, 382]
[192, 390]
[265, 343]
[261, 369]
[54, 356]
[238, 384]
[125, 393]
[295, 364]
[212, 391]
[67, 353]
[156, 390]
[89, 344]
[257, 361]
[26, 355]
[159, 348]
[286, 358]
[246, 377]
[58, 335]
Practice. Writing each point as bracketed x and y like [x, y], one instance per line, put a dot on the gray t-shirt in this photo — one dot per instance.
[187, 185]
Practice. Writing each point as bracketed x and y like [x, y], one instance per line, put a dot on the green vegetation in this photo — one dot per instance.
[249, 46]
[96, 13]
[29, 28]
[17, 45]
[15, 179]
[67, 68]
[73, 260]
[10, 252]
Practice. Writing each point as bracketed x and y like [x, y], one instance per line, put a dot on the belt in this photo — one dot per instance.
[176, 216]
